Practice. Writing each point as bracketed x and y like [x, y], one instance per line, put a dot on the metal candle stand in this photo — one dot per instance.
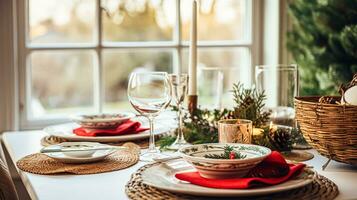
[192, 103]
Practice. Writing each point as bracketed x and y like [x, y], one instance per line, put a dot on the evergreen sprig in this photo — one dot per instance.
[228, 153]
[250, 104]
[166, 141]
[202, 126]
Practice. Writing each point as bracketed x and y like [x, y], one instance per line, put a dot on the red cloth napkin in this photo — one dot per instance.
[128, 127]
[270, 168]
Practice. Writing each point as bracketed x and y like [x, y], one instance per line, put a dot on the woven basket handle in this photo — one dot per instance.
[342, 89]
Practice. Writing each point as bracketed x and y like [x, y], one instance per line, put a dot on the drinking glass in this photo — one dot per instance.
[210, 87]
[280, 85]
[179, 91]
[149, 93]
[215, 85]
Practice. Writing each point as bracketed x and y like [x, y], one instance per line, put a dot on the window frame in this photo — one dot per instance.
[254, 46]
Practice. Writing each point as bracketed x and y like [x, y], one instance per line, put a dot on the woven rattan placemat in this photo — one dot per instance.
[320, 188]
[41, 164]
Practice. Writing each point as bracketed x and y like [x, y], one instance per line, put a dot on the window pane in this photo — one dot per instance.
[65, 21]
[217, 19]
[118, 64]
[232, 65]
[61, 82]
[138, 20]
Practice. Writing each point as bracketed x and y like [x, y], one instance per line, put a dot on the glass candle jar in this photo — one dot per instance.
[235, 131]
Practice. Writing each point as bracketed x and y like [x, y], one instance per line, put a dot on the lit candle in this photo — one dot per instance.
[192, 70]
[272, 127]
[257, 131]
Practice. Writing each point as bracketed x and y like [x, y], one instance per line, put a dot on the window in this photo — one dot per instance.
[75, 56]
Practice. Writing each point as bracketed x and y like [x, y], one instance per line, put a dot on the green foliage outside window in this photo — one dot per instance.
[323, 42]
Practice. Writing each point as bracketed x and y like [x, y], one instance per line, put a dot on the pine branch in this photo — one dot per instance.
[166, 141]
[249, 105]
[228, 153]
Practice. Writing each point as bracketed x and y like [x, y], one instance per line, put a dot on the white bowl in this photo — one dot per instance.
[224, 168]
[102, 121]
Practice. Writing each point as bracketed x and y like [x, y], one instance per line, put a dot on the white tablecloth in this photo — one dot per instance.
[110, 186]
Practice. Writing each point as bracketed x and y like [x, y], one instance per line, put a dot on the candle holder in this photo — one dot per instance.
[235, 131]
[192, 103]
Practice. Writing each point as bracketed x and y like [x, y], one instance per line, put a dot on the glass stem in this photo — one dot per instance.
[152, 147]
[180, 136]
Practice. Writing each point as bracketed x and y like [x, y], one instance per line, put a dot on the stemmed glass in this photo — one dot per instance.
[179, 91]
[149, 93]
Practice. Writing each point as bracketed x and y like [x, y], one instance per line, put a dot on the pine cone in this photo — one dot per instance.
[281, 139]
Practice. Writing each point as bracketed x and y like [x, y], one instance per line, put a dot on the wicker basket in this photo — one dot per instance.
[331, 129]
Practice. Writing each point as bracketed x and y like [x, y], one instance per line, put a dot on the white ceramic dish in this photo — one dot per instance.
[104, 121]
[80, 156]
[66, 131]
[81, 146]
[224, 168]
[162, 177]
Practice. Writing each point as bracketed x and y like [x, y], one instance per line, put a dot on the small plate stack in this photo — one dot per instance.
[79, 152]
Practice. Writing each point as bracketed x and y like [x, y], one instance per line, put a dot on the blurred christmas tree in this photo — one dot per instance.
[323, 42]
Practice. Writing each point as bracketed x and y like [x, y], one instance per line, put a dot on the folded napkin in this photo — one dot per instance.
[128, 127]
[271, 171]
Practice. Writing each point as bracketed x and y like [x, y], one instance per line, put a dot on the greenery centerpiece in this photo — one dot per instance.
[200, 126]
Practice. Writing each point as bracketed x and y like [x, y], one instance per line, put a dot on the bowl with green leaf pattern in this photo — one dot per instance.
[220, 161]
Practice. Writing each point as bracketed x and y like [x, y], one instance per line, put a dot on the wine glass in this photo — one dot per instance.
[149, 93]
[179, 91]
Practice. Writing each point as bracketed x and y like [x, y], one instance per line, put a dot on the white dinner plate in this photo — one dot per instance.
[66, 131]
[95, 156]
[163, 177]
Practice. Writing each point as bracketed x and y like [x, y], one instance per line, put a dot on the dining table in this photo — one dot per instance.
[111, 185]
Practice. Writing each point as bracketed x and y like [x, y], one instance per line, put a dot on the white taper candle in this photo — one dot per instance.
[192, 70]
